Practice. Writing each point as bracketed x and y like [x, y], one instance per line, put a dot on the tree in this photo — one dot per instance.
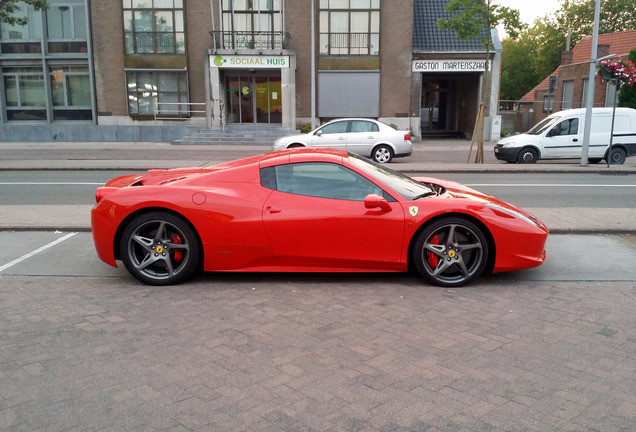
[8, 8]
[627, 94]
[545, 40]
[470, 19]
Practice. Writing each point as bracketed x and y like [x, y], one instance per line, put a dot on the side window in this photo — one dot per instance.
[334, 128]
[320, 180]
[363, 126]
[567, 127]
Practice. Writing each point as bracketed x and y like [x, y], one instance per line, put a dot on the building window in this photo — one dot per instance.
[67, 26]
[568, 94]
[154, 27]
[548, 103]
[71, 93]
[149, 91]
[250, 24]
[349, 27]
[610, 94]
[22, 39]
[24, 93]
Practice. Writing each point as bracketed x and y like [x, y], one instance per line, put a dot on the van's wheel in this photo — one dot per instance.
[617, 156]
[291, 146]
[594, 160]
[527, 155]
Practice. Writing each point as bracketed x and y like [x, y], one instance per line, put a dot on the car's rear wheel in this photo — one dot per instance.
[450, 252]
[594, 160]
[527, 155]
[382, 154]
[617, 156]
[160, 248]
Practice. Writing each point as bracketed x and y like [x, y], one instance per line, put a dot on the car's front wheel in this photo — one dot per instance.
[160, 248]
[382, 154]
[450, 252]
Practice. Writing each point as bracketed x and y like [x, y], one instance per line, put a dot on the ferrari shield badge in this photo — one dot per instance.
[413, 210]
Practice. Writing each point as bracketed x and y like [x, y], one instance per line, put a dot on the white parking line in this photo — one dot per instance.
[35, 252]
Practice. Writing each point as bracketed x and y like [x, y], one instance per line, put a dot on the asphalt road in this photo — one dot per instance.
[522, 189]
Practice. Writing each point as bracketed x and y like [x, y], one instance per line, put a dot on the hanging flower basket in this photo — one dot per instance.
[618, 71]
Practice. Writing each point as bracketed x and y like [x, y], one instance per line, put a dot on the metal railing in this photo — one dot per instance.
[176, 111]
[250, 40]
[349, 43]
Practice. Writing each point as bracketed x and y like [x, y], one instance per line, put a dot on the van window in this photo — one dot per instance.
[566, 127]
[544, 124]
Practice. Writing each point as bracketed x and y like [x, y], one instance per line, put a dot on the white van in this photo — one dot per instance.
[560, 136]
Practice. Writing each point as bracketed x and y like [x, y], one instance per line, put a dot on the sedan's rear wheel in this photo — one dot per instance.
[382, 154]
[160, 248]
[450, 252]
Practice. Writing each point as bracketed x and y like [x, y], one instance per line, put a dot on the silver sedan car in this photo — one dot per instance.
[368, 138]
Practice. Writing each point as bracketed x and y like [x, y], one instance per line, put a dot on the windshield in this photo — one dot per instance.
[544, 124]
[402, 184]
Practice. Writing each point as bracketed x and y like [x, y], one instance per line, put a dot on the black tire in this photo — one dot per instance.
[382, 154]
[291, 146]
[594, 160]
[160, 248]
[450, 252]
[617, 156]
[527, 155]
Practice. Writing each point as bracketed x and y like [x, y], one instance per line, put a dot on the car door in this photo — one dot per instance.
[564, 139]
[316, 218]
[332, 135]
[362, 136]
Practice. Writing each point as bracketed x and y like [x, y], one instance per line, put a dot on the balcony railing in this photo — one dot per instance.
[250, 40]
[349, 43]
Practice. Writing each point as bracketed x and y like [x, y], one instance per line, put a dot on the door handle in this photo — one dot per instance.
[271, 210]
[575, 140]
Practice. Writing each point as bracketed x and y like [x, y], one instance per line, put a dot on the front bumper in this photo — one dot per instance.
[508, 154]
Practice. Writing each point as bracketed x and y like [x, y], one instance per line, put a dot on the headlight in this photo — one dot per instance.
[509, 144]
[514, 213]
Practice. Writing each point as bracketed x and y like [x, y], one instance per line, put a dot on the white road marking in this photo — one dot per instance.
[35, 252]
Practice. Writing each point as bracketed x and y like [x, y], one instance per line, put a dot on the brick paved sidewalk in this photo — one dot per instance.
[316, 353]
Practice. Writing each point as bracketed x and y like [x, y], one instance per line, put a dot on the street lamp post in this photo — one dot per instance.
[590, 88]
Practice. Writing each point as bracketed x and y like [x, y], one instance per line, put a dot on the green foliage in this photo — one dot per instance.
[8, 8]
[470, 17]
[627, 94]
[545, 41]
[305, 127]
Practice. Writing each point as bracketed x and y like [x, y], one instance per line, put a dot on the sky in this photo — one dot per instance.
[529, 10]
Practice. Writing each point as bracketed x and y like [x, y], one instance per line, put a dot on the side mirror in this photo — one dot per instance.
[551, 133]
[375, 201]
[318, 133]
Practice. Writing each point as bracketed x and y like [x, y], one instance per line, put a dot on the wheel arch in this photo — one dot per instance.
[492, 250]
[131, 216]
[529, 146]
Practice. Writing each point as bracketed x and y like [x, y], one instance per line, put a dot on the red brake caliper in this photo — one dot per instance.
[178, 255]
[433, 259]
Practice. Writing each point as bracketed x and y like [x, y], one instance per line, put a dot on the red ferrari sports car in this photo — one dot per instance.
[308, 210]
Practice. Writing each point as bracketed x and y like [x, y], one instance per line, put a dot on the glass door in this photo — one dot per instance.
[438, 105]
[253, 99]
[239, 99]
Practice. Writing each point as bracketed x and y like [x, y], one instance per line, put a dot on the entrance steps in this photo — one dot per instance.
[237, 134]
